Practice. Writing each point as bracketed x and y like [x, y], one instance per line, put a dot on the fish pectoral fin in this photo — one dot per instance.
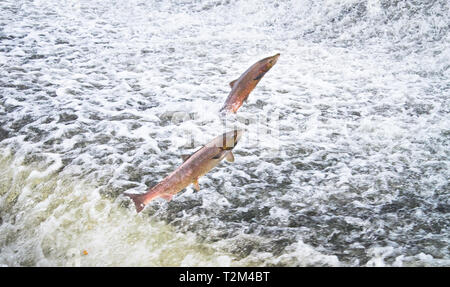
[196, 186]
[232, 83]
[167, 197]
[229, 157]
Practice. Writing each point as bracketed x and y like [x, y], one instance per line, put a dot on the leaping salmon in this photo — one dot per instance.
[242, 87]
[193, 167]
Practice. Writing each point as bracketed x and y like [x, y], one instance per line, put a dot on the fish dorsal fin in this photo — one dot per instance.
[229, 157]
[232, 83]
[185, 157]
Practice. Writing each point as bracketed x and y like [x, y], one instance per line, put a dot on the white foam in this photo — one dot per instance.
[360, 101]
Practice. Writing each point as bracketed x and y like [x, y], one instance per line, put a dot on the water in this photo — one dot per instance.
[345, 160]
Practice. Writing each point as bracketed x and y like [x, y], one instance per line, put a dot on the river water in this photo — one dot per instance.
[344, 159]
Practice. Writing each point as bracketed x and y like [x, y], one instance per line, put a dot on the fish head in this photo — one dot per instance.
[269, 62]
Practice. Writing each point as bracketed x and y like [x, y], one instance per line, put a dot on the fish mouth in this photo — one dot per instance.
[274, 58]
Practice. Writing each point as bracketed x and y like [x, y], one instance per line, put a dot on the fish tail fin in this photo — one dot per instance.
[138, 200]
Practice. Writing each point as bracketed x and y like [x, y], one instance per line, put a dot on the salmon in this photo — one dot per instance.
[244, 85]
[194, 166]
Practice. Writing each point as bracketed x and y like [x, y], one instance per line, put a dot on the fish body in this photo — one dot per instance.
[244, 85]
[194, 166]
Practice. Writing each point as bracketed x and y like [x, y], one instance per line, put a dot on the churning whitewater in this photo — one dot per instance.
[344, 159]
